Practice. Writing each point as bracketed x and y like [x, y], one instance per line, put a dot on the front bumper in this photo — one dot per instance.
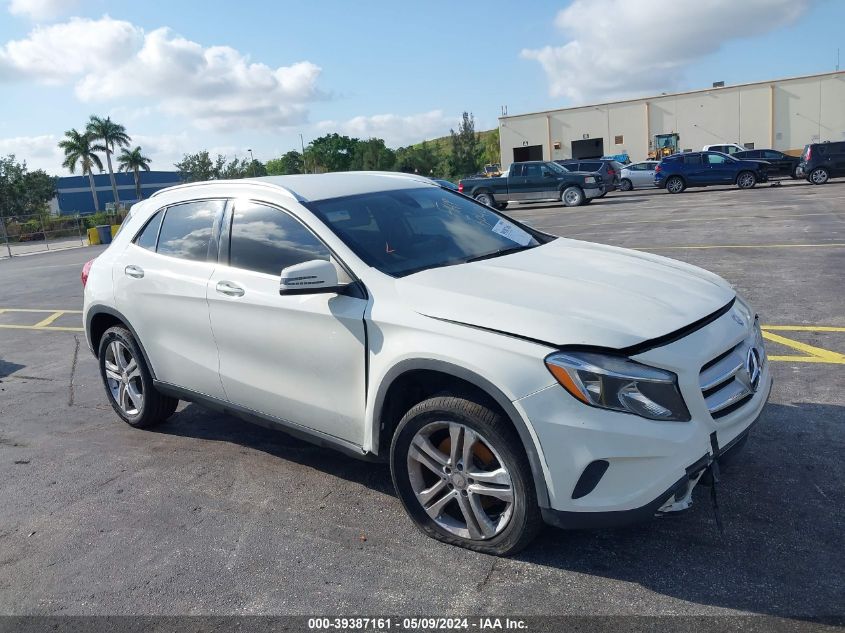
[644, 466]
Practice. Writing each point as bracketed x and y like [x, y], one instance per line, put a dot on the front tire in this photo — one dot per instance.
[675, 184]
[627, 185]
[501, 206]
[485, 199]
[746, 180]
[462, 476]
[572, 197]
[818, 176]
[129, 383]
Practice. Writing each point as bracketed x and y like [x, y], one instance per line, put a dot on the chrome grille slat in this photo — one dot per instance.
[725, 397]
[723, 370]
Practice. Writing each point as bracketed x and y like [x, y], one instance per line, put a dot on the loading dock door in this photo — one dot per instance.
[588, 148]
[531, 152]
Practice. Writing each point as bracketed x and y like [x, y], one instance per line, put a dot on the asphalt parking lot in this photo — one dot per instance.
[209, 515]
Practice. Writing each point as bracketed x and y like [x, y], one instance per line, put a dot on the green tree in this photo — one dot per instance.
[110, 135]
[288, 163]
[466, 148]
[79, 149]
[490, 148]
[423, 159]
[331, 152]
[198, 167]
[23, 192]
[372, 155]
[134, 161]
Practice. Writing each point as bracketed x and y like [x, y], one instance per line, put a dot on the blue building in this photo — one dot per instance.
[73, 193]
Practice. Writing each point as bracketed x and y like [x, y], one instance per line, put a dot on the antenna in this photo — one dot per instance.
[837, 60]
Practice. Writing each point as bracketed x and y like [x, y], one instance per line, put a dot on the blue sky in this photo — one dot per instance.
[400, 71]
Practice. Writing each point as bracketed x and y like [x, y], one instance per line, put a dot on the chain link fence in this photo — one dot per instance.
[24, 234]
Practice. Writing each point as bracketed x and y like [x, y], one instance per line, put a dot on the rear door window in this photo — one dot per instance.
[692, 159]
[590, 166]
[187, 229]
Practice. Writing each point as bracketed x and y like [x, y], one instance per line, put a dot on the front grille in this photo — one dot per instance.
[725, 381]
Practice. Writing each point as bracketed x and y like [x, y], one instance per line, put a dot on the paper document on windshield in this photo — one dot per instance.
[512, 232]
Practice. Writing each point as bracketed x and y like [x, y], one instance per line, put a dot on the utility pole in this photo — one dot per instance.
[252, 162]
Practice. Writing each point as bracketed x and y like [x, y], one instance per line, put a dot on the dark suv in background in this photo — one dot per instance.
[702, 169]
[609, 170]
[781, 164]
[822, 161]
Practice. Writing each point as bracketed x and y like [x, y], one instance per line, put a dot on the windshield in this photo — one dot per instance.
[406, 231]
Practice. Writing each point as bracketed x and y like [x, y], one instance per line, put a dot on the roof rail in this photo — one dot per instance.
[205, 183]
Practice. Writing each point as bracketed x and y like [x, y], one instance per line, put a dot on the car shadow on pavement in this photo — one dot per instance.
[198, 422]
[781, 502]
[7, 368]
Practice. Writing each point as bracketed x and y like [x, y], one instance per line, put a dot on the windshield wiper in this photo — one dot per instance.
[499, 253]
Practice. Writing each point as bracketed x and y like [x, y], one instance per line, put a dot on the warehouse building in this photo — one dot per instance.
[73, 193]
[783, 114]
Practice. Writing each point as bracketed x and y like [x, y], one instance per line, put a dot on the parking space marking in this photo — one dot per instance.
[678, 248]
[43, 324]
[812, 354]
[664, 220]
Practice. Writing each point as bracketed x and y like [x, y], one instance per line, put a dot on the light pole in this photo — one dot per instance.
[252, 162]
[302, 144]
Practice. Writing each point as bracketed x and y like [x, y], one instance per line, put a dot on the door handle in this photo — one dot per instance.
[134, 271]
[229, 289]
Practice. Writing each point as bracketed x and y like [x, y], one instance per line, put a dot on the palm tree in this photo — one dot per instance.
[134, 160]
[112, 135]
[79, 148]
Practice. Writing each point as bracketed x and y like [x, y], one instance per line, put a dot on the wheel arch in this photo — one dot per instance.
[414, 380]
[100, 318]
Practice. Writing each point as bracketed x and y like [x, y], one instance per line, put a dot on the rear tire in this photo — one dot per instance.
[572, 197]
[501, 206]
[485, 198]
[129, 383]
[675, 184]
[627, 185]
[746, 180]
[795, 174]
[442, 489]
[818, 176]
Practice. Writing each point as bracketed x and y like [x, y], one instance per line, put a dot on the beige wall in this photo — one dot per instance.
[783, 114]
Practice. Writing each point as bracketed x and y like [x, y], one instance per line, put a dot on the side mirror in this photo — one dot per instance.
[316, 275]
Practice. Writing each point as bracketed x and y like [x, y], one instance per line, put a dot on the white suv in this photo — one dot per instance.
[508, 375]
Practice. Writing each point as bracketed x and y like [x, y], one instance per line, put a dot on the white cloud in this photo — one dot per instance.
[39, 152]
[41, 9]
[623, 48]
[396, 130]
[216, 87]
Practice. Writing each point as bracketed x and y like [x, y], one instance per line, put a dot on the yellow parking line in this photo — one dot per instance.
[676, 248]
[41, 329]
[49, 319]
[803, 328]
[813, 354]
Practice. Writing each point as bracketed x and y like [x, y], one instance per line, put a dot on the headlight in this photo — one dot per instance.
[588, 180]
[619, 384]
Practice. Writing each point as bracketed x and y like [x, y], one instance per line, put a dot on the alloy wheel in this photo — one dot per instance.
[460, 480]
[675, 185]
[819, 176]
[746, 180]
[124, 378]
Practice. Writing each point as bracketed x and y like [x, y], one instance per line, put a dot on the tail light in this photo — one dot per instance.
[657, 169]
[611, 172]
[808, 154]
[460, 187]
[85, 270]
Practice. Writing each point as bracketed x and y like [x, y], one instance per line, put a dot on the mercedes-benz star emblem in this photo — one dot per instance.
[752, 367]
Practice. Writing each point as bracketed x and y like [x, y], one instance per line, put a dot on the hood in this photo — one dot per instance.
[569, 292]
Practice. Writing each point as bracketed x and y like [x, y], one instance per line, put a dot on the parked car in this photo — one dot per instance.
[725, 148]
[637, 175]
[822, 161]
[445, 183]
[609, 170]
[702, 169]
[781, 164]
[534, 181]
[507, 375]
